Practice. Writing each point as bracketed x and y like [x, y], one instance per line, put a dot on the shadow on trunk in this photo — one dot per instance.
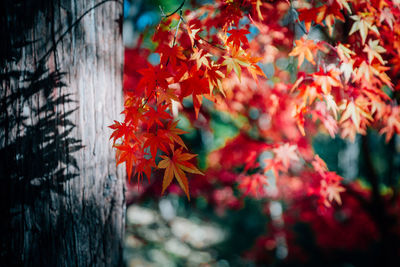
[36, 147]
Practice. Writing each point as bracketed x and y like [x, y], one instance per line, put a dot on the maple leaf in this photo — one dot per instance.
[309, 93]
[380, 71]
[162, 33]
[363, 24]
[319, 165]
[286, 154]
[201, 58]
[154, 116]
[344, 52]
[155, 142]
[327, 80]
[176, 166]
[215, 76]
[331, 104]
[168, 95]
[173, 133]
[299, 112]
[331, 188]
[253, 185]
[170, 54]
[192, 32]
[344, 3]
[354, 110]
[195, 85]
[347, 70]
[127, 153]
[316, 14]
[254, 69]
[387, 15]
[365, 74]
[152, 77]
[374, 49]
[144, 166]
[238, 59]
[392, 122]
[332, 192]
[326, 13]
[305, 49]
[122, 130]
[238, 36]
[377, 100]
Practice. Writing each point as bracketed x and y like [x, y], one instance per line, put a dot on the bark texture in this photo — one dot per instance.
[62, 196]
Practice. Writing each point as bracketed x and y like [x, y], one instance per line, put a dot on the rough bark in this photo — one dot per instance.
[62, 197]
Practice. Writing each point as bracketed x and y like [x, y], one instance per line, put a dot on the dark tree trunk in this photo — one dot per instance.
[62, 197]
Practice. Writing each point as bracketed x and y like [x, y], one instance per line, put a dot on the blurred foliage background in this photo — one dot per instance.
[170, 231]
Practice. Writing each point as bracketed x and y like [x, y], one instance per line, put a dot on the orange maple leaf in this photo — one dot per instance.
[175, 166]
[235, 62]
[166, 95]
[306, 49]
[392, 123]
[327, 80]
[173, 133]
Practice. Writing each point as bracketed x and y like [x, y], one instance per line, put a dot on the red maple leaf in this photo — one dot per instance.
[238, 36]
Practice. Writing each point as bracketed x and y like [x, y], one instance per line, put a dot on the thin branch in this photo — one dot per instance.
[178, 9]
[148, 98]
[76, 22]
[212, 44]
[166, 64]
[173, 43]
[177, 28]
[331, 47]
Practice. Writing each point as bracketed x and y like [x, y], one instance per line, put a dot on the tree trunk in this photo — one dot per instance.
[62, 197]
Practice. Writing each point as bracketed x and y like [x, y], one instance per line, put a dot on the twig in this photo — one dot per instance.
[76, 22]
[173, 42]
[169, 15]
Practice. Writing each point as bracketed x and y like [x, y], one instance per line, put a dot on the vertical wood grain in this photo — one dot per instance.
[61, 86]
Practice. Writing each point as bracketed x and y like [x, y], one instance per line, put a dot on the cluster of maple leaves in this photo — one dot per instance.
[343, 82]
[354, 70]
